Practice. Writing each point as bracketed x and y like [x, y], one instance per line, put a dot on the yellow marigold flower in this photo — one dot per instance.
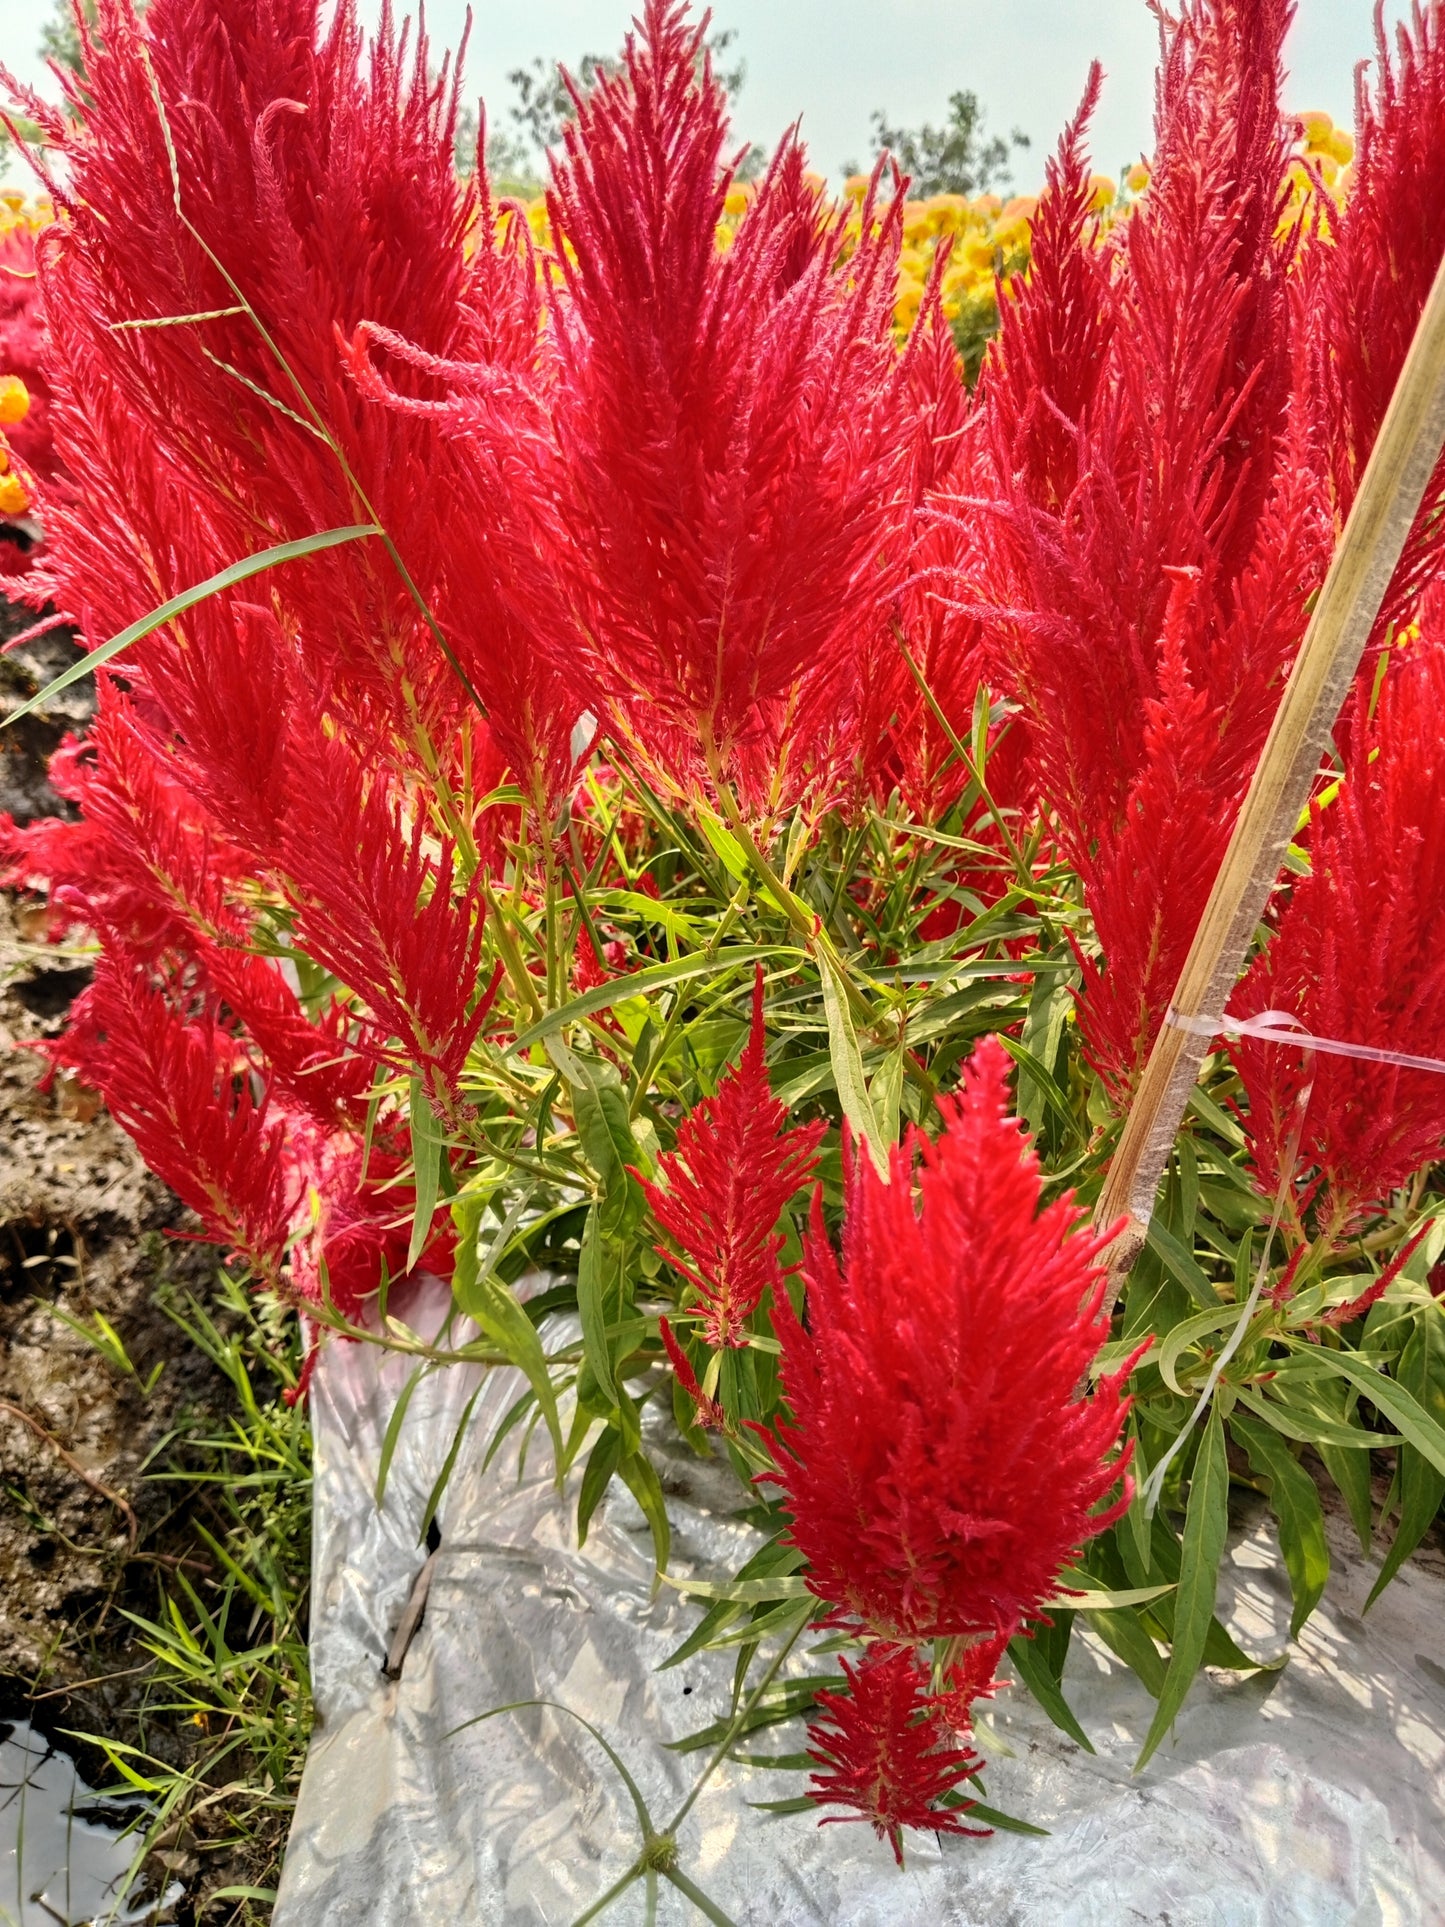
[910, 300]
[737, 200]
[1137, 179]
[1102, 191]
[14, 399]
[13, 499]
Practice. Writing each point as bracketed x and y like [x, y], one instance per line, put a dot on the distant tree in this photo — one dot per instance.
[60, 36]
[542, 107]
[953, 159]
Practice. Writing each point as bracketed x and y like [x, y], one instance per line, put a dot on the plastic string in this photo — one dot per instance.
[1278, 1027]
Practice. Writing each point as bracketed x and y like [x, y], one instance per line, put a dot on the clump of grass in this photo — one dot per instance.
[226, 1645]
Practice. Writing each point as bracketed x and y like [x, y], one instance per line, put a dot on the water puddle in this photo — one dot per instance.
[63, 1855]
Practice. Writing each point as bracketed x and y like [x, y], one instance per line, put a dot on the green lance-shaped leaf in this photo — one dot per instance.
[1205, 1524]
[601, 1296]
[1422, 1485]
[638, 1475]
[1296, 1506]
[637, 983]
[1414, 1423]
[485, 1297]
[426, 1153]
[188, 598]
[847, 1060]
[1034, 1671]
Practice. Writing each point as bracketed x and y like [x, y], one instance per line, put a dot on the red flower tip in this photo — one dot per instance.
[941, 1466]
[710, 1414]
[970, 1678]
[887, 1751]
[735, 1167]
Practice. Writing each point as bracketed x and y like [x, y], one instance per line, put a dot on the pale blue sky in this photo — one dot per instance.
[834, 61]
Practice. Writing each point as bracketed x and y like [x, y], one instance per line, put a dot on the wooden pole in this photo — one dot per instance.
[1403, 459]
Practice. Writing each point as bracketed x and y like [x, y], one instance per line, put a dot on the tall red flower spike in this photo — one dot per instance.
[885, 1751]
[1373, 268]
[941, 1465]
[253, 163]
[1162, 507]
[1359, 956]
[735, 1167]
[732, 449]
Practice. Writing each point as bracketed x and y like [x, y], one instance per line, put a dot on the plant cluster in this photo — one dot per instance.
[621, 768]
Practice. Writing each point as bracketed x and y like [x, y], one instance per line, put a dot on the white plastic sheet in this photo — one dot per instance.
[1312, 1796]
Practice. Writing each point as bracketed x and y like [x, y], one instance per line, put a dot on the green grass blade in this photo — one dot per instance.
[637, 983]
[188, 598]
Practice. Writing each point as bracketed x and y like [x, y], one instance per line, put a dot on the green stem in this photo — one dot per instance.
[1016, 856]
[733, 1730]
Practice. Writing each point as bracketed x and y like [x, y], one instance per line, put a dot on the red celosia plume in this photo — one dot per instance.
[885, 1751]
[1372, 267]
[172, 1079]
[380, 912]
[731, 452]
[735, 1167]
[1358, 956]
[1161, 516]
[941, 1465]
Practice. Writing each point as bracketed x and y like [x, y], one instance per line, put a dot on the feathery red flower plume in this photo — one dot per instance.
[143, 862]
[732, 454]
[362, 1228]
[171, 1081]
[940, 1466]
[1358, 955]
[884, 1750]
[380, 913]
[709, 1412]
[735, 1167]
[971, 1677]
[1147, 433]
[1372, 270]
[239, 160]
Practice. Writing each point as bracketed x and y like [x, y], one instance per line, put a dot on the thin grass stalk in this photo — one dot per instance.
[1399, 470]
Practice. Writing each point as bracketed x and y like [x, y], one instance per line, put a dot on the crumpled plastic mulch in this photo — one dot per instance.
[1308, 1796]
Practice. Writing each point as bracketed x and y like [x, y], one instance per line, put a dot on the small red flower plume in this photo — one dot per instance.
[941, 1465]
[380, 912]
[171, 1079]
[885, 1751]
[363, 1213]
[708, 1412]
[735, 1167]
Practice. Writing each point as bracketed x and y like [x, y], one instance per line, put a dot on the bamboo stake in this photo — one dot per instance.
[1399, 470]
